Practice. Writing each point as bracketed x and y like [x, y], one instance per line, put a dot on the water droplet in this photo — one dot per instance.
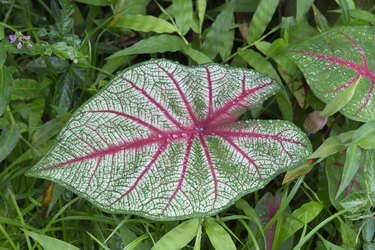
[174, 136]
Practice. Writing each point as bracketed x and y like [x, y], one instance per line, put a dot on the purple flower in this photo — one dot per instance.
[26, 38]
[12, 38]
[19, 45]
[29, 45]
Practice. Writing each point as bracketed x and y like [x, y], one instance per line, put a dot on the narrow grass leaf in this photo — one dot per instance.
[340, 100]
[329, 147]
[217, 34]
[219, 238]
[197, 56]
[259, 63]
[8, 140]
[302, 7]
[3, 55]
[369, 171]
[146, 24]
[5, 88]
[96, 2]
[136, 242]
[198, 238]
[363, 15]
[154, 44]
[201, 8]
[226, 50]
[367, 142]
[345, 10]
[299, 218]
[285, 105]
[351, 166]
[249, 211]
[261, 18]
[364, 131]
[98, 241]
[179, 236]
[320, 20]
[183, 10]
[49, 243]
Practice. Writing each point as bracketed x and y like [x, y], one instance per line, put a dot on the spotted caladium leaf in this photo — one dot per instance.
[337, 59]
[163, 141]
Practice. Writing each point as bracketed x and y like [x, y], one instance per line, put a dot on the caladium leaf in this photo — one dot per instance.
[336, 60]
[163, 141]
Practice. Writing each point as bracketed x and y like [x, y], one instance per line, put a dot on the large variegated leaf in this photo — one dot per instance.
[337, 59]
[163, 141]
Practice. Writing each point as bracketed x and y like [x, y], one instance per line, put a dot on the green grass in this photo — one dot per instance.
[77, 46]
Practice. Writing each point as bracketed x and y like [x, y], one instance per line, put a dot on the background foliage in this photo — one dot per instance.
[76, 46]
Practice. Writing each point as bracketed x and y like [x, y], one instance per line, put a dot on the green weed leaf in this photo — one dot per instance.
[219, 238]
[179, 236]
[49, 243]
[352, 163]
[146, 24]
[154, 44]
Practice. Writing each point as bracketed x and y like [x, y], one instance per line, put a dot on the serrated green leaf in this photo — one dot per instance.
[261, 18]
[334, 61]
[49, 243]
[160, 138]
[179, 236]
[197, 56]
[219, 238]
[352, 163]
[299, 218]
[183, 11]
[146, 24]
[64, 90]
[6, 86]
[8, 140]
[217, 34]
[154, 44]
